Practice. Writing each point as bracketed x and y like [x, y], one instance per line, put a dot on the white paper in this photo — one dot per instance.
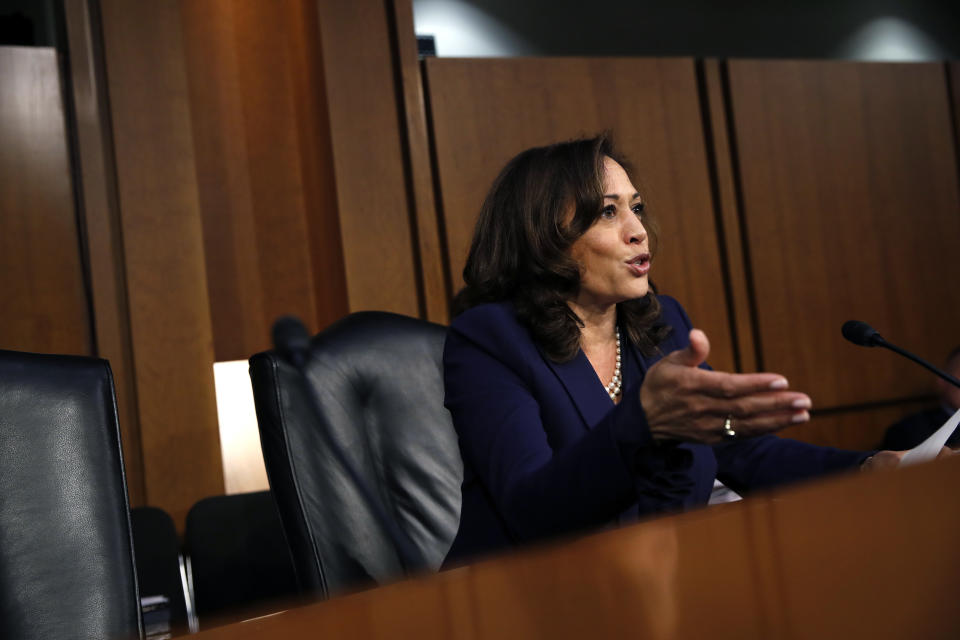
[929, 448]
[722, 493]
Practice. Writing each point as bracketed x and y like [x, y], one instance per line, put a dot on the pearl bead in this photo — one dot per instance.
[613, 389]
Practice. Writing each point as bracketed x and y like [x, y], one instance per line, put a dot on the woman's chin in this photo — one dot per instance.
[639, 290]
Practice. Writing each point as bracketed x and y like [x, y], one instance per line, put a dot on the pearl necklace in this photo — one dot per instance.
[613, 389]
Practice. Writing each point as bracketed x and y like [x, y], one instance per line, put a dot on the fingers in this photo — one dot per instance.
[721, 384]
[684, 402]
[763, 402]
[695, 353]
[760, 424]
[883, 460]
[709, 429]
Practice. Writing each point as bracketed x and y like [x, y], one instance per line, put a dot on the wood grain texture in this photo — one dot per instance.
[872, 557]
[486, 111]
[97, 173]
[271, 234]
[421, 170]
[851, 207]
[316, 163]
[42, 286]
[362, 97]
[163, 245]
[826, 560]
[230, 234]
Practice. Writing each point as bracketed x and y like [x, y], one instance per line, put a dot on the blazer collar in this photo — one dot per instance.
[585, 389]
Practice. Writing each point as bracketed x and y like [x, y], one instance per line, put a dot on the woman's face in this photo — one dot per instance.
[614, 255]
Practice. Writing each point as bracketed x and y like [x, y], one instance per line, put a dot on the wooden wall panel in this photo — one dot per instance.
[486, 111]
[271, 232]
[169, 309]
[42, 284]
[96, 172]
[373, 198]
[850, 201]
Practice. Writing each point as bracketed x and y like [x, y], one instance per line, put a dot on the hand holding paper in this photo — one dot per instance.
[932, 446]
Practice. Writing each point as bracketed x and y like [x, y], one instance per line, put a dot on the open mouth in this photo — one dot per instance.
[639, 264]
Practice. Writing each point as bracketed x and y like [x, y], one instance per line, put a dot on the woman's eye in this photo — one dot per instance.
[609, 211]
[638, 208]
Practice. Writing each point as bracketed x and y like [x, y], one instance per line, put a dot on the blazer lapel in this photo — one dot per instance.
[584, 388]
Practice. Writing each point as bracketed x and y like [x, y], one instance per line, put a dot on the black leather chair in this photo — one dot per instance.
[378, 381]
[161, 570]
[66, 557]
[238, 558]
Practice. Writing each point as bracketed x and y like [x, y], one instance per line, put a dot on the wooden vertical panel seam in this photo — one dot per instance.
[951, 72]
[418, 170]
[403, 121]
[728, 205]
[403, 132]
[100, 210]
[728, 232]
[740, 211]
[73, 159]
[448, 278]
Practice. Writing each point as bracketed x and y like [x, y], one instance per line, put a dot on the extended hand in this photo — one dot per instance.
[684, 402]
[891, 459]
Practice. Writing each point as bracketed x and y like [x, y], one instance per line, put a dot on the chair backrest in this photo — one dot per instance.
[379, 385]
[156, 547]
[66, 556]
[239, 558]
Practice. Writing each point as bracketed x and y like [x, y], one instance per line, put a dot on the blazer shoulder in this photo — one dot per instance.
[494, 328]
[671, 312]
[491, 324]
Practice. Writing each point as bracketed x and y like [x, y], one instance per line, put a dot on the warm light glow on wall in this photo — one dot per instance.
[243, 468]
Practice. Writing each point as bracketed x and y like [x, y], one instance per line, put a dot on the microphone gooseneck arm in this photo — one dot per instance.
[923, 363]
[860, 333]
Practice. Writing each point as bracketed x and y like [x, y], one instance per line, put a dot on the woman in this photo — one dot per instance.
[580, 397]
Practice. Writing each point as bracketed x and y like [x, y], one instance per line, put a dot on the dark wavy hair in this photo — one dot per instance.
[520, 249]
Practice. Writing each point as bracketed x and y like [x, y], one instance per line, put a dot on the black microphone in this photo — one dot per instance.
[861, 333]
[291, 340]
[866, 336]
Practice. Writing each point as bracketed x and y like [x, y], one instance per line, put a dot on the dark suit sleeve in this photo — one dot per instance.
[768, 461]
[538, 492]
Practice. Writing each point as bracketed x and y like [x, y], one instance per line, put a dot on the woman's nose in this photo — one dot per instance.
[636, 233]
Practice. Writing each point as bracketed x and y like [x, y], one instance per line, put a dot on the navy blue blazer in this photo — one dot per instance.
[546, 452]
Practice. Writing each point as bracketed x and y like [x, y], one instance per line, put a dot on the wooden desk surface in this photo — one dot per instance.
[864, 555]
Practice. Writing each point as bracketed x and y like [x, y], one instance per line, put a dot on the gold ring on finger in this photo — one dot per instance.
[728, 432]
